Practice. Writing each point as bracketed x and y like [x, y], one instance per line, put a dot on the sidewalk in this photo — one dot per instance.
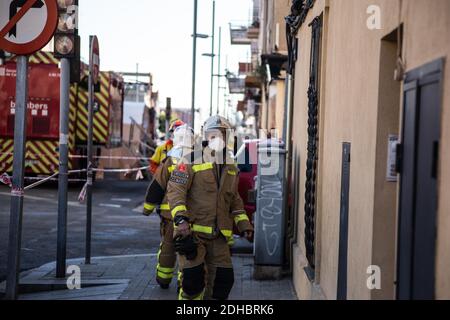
[133, 278]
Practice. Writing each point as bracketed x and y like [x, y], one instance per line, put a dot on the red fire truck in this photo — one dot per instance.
[42, 156]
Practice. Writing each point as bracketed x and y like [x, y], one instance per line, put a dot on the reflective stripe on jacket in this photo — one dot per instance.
[155, 197]
[211, 206]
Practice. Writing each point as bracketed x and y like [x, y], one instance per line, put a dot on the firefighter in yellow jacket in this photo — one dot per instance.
[155, 199]
[162, 151]
[204, 201]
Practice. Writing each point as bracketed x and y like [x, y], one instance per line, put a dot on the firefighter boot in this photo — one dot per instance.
[166, 255]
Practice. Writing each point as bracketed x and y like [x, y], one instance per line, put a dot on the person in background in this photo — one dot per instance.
[155, 198]
[161, 151]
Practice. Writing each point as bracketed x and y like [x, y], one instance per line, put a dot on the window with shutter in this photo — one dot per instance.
[313, 145]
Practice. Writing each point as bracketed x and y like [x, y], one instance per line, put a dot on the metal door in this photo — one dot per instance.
[418, 188]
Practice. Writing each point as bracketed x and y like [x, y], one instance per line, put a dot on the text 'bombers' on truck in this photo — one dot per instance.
[43, 115]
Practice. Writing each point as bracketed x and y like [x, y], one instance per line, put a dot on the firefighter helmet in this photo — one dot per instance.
[216, 123]
[183, 137]
[175, 124]
[211, 128]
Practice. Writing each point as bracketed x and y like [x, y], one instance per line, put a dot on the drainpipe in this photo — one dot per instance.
[287, 138]
[287, 101]
[266, 90]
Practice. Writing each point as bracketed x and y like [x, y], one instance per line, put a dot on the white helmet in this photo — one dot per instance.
[216, 123]
[183, 137]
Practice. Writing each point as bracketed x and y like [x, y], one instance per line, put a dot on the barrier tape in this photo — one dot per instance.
[31, 186]
[6, 179]
[121, 170]
[53, 179]
[82, 157]
[83, 192]
[17, 192]
[82, 195]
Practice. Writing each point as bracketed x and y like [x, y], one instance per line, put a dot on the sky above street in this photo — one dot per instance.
[156, 34]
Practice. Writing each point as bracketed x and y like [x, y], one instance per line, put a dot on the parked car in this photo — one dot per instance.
[247, 159]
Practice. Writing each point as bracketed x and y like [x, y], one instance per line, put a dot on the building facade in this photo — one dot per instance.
[273, 58]
[369, 133]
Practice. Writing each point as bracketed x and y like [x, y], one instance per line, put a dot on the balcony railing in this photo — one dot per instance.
[244, 32]
[239, 34]
[236, 84]
[253, 30]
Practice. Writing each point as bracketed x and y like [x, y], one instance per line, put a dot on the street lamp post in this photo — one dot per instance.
[194, 63]
[218, 75]
[218, 68]
[212, 57]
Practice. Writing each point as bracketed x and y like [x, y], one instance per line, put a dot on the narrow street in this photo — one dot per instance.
[225, 150]
[124, 249]
[119, 228]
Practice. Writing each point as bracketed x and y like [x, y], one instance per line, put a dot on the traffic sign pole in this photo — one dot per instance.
[94, 71]
[89, 166]
[89, 172]
[63, 168]
[17, 193]
[20, 34]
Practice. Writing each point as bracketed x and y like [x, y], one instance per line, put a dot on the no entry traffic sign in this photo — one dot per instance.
[26, 26]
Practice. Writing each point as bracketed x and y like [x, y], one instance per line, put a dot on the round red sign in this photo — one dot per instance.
[38, 21]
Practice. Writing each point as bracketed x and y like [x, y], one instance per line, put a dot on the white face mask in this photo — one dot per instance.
[216, 144]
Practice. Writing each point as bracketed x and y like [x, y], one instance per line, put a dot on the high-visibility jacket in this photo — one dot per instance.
[155, 197]
[210, 205]
[159, 155]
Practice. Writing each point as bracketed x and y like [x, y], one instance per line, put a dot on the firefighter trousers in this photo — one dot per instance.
[166, 255]
[210, 275]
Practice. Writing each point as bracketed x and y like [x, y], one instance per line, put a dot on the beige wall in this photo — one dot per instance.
[352, 110]
[385, 197]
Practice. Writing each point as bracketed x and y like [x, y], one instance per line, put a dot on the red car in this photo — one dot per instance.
[247, 159]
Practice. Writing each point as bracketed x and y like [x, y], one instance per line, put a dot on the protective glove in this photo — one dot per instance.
[248, 234]
[186, 246]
